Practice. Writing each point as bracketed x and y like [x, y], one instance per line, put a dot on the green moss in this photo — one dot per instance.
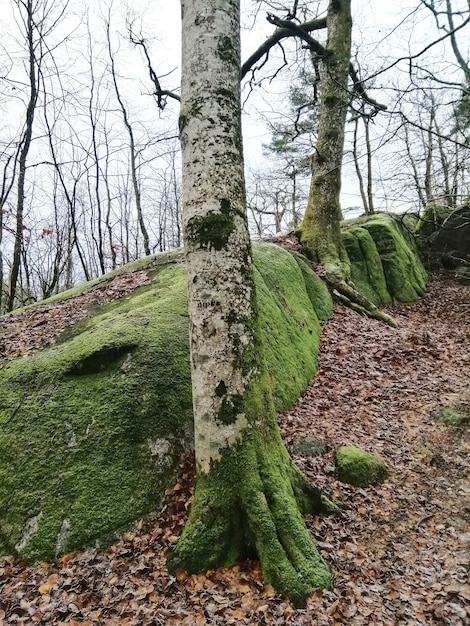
[92, 427]
[317, 290]
[359, 468]
[212, 230]
[451, 416]
[410, 221]
[246, 505]
[434, 215]
[366, 267]
[289, 325]
[228, 51]
[93, 444]
[404, 273]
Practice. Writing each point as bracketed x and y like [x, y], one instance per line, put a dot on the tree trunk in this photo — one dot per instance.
[321, 226]
[360, 178]
[320, 230]
[23, 155]
[370, 194]
[248, 492]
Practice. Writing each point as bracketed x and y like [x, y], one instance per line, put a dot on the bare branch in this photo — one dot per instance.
[159, 93]
[276, 37]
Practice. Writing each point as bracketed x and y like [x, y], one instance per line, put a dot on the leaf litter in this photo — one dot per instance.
[400, 551]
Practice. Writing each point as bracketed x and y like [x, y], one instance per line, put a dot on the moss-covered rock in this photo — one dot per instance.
[91, 428]
[359, 468]
[452, 416]
[405, 276]
[433, 217]
[316, 289]
[366, 266]
[289, 324]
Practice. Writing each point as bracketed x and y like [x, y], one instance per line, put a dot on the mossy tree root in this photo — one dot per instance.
[250, 505]
[350, 297]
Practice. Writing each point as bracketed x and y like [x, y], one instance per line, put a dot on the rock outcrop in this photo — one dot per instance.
[93, 423]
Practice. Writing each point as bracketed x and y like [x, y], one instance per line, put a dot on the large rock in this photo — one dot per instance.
[405, 276]
[91, 428]
[366, 265]
[445, 236]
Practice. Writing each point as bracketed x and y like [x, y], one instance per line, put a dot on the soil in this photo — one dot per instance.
[400, 551]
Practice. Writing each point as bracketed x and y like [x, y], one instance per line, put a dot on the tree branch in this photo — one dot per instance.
[287, 28]
[159, 93]
[276, 37]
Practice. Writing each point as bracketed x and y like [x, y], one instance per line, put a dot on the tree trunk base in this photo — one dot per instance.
[251, 503]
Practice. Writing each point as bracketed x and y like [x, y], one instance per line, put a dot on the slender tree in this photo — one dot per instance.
[321, 233]
[248, 490]
[132, 145]
[31, 33]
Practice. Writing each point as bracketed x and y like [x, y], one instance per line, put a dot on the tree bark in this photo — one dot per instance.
[320, 230]
[248, 492]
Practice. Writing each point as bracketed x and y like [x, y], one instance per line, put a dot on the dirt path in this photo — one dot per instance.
[400, 552]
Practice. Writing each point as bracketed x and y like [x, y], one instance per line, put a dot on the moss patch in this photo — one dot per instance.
[213, 230]
[247, 504]
[433, 217]
[316, 289]
[359, 468]
[451, 416]
[289, 325]
[91, 428]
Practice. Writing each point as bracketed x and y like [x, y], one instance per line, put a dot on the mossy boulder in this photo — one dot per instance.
[405, 276]
[91, 428]
[359, 468]
[366, 266]
[434, 215]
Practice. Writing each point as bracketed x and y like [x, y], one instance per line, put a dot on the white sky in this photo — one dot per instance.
[382, 31]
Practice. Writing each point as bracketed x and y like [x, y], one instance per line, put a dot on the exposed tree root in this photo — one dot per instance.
[251, 504]
[348, 296]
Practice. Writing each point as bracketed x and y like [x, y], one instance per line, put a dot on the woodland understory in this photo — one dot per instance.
[399, 552]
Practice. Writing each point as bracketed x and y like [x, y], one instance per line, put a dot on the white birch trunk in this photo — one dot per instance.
[218, 253]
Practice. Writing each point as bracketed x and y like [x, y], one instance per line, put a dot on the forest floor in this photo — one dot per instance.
[400, 552]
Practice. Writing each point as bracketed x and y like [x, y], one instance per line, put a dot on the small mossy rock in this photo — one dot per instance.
[451, 416]
[359, 468]
[91, 428]
[308, 446]
[366, 266]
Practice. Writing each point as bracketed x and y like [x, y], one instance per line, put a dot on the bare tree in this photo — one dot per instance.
[132, 144]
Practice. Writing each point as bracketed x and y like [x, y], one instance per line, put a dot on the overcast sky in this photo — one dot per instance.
[382, 32]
